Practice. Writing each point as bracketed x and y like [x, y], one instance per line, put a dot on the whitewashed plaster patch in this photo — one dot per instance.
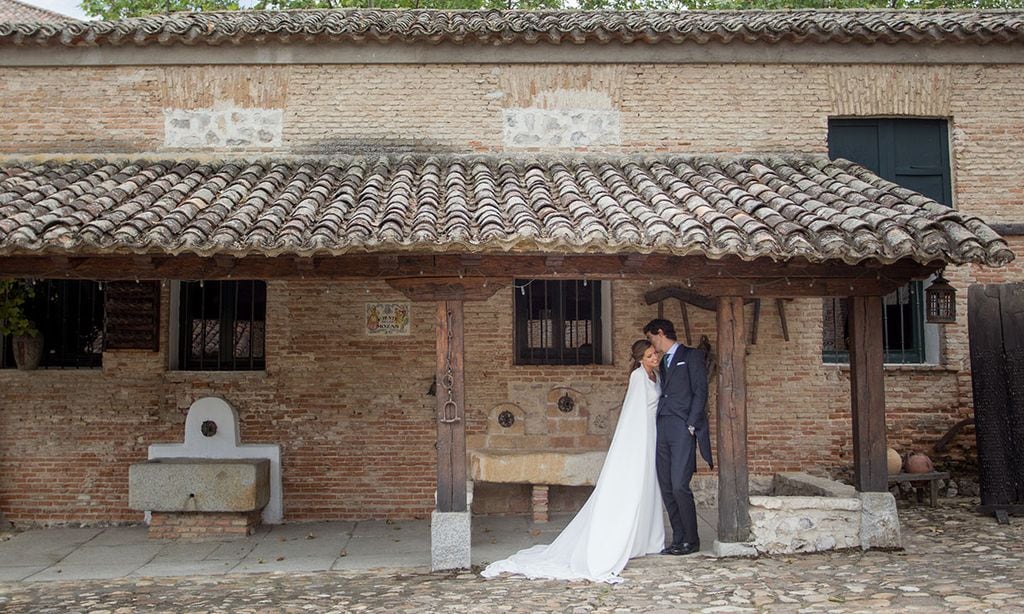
[561, 128]
[563, 119]
[223, 127]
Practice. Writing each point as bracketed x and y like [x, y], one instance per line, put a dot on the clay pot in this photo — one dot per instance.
[28, 351]
[894, 462]
[919, 463]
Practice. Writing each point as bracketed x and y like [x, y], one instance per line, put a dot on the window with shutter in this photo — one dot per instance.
[915, 154]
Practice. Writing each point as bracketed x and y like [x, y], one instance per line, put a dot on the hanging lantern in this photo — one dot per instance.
[940, 302]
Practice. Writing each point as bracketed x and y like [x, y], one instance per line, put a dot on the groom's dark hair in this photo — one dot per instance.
[663, 325]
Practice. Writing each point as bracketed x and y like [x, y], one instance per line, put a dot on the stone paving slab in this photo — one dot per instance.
[954, 560]
[127, 554]
[43, 547]
[14, 574]
[90, 571]
[165, 568]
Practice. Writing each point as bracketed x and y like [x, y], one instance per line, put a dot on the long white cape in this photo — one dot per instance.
[622, 518]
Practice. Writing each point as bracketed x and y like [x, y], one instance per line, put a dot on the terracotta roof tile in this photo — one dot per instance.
[20, 12]
[776, 206]
[507, 27]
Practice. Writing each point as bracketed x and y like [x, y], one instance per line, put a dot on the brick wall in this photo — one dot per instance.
[350, 411]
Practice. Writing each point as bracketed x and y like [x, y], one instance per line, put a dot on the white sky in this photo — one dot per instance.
[66, 7]
[70, 7]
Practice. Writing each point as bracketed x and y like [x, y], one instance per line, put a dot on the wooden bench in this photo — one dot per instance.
[932, 477]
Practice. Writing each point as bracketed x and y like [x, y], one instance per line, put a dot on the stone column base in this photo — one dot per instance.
[449, 540]
[198, 526]
[879, 521]
[733, 549]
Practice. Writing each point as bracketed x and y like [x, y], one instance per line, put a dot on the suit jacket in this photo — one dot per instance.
[684, 394]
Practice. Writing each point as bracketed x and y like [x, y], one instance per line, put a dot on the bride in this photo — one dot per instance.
[622, 518]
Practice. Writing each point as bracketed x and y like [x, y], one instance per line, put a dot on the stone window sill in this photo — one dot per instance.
[900, 368]
[192, 376]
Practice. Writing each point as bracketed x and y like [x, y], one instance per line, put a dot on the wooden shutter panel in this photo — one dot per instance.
[132, 315]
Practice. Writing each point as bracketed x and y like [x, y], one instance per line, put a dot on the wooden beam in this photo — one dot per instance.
[686, 320]
[446, 288]
[756, 323]
[767, 279]
[733, 487]
[451, 423]
[867, 391]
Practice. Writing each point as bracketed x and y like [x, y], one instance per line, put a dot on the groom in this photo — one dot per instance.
[682, 427]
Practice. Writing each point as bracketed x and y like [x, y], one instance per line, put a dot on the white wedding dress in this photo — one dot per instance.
[622, 518]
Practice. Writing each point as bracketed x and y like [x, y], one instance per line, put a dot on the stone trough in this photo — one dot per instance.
[210, 485]
[199, 485]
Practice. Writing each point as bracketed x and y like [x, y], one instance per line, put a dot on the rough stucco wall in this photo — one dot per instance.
[351, 413]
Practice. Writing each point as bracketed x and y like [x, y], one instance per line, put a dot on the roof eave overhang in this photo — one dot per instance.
[422, 52]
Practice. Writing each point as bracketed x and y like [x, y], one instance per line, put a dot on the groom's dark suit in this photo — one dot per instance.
[684, 393]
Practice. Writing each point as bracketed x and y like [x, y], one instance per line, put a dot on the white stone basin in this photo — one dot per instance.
[199, 485]
[557, 467]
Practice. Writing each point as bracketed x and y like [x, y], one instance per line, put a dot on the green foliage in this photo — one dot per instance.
[13, 321]
[449, 5]
[121, 9]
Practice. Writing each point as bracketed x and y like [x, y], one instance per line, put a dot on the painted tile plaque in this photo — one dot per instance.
[387, 318]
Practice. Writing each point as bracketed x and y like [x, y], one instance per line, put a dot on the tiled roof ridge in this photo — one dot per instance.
[495, 27]
[778, 206]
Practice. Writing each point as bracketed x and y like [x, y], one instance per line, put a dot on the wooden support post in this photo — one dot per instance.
[867, 391]
[451, 422]
[733, 486]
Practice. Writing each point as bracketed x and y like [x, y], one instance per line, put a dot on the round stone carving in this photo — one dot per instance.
[566, 404]
[208, 428]
[506, 419]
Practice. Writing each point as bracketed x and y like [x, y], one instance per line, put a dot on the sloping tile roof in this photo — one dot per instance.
[15, 11]
[776, 206]
[507, 27]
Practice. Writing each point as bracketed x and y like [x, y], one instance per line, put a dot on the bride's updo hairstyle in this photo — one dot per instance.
[637, 352]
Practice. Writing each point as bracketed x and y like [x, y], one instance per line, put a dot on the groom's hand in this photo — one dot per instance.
[693, 430]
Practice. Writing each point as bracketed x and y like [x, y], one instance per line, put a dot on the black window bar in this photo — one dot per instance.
[558, 322]
[223, 325]
[902, 327]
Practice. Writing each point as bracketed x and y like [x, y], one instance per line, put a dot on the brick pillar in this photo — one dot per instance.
[540, 503]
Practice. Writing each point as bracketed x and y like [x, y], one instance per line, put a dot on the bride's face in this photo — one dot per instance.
[650, 359]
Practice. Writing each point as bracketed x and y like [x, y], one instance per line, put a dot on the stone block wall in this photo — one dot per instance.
[351, 412]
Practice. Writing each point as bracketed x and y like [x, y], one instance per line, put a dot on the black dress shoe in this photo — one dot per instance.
[683, 549]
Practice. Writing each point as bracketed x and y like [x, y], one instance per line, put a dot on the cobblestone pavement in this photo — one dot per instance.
[954, 560]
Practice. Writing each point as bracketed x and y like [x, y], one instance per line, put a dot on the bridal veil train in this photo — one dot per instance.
[622, 518]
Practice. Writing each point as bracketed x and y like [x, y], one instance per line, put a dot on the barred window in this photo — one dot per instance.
[222, 326]
[915, 154]
[69, 316]
[903, 332]
[558, 322]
